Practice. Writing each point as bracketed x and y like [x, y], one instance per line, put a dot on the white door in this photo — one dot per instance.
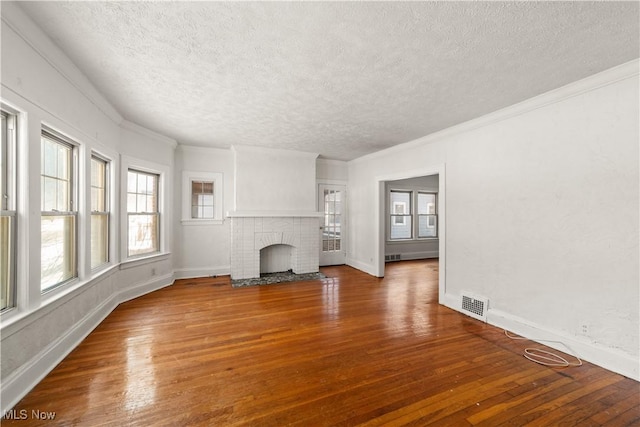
[332, 202]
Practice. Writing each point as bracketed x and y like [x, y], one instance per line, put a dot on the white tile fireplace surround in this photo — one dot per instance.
[251, 232]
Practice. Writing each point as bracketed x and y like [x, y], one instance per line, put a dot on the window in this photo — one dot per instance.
[201, 198]
[402, 213]
[401, 224]
[8, 212]
[58, 223]
[427, 217]
[99, 212]
[142, 213]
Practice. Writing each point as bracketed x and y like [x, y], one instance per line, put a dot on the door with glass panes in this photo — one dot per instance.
[332, 202]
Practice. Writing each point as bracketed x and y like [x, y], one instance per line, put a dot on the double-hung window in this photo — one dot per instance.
[427, 215]
[401, 215]
[59, 213]
[413, 213]
[143, 215]
[8, 211]
[99, 211]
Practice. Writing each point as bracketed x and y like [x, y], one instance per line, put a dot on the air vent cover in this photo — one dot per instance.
[392, 257]
[475, 306]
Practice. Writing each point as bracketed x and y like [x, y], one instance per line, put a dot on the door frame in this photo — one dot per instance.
[344, 219]
[381, 220]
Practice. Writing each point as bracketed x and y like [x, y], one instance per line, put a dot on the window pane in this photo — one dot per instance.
[99, 239]
[426, 203]
[400, 227]
[6, 261]
[49, 157]
[58, 250]
[132, 180]
[202, 199]
[143, 234]
[427, 226]
[98, 185]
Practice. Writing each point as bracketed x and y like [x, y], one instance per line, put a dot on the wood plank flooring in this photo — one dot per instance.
[344, 351]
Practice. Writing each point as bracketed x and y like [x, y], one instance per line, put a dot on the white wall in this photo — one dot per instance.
[274, 180]
[331, 171]
[203, 250]
[541, 213]
[418, 248]
[41, 83]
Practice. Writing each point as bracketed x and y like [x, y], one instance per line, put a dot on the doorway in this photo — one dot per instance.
[379, 261]
[332, 203]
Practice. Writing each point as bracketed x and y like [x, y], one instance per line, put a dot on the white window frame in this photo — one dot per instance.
[164, 196]
[415, 217]
[400, 219]
[429, 216]
[107, 208]
[8, 205]
[47, 132]
[188, 177]
[156, 213]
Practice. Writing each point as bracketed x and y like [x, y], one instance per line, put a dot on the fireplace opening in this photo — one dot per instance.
[276, 258]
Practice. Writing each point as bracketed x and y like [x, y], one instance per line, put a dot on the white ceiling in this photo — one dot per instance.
[340, 79]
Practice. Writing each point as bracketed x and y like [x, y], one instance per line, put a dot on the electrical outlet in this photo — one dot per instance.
[585, 329]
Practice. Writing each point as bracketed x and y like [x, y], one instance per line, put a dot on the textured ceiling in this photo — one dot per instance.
[340, 79]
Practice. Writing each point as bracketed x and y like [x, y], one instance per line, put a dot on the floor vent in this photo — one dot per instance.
[392, 257]
[475, 307]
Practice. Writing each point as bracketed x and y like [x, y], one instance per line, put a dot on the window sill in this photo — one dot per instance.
[144, 259]
[202, 221]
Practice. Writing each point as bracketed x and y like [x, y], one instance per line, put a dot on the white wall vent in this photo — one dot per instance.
[392, 257]
[475, 306]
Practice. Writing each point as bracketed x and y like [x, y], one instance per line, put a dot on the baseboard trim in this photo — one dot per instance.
[190, 273]
[20, 382]
[604, 357]
[362, 266]
[418, 255]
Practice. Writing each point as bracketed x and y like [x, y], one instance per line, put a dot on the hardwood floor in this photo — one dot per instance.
[348, 350]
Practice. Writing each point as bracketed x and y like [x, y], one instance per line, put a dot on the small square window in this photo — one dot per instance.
[201, 198]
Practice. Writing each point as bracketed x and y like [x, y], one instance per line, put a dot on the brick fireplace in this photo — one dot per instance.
[252, 232]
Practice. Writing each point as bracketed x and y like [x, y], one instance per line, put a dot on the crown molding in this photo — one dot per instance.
[279, 151]
[15, 18]
[613, 75]
[130, 126]
[198, 149]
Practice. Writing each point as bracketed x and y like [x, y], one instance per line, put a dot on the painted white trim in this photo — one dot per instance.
[30, 373]
[418, 255]
[604, 357]
[588, 84]
[359, 265]
[190, 273]
[278, 214]
[26, 29]
[148, 132]
[281, 152]
[380, 218]
[218, 197]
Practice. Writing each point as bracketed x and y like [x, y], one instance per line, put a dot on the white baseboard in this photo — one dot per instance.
[604, 357]
[418, 255]
[21, 381]
[367, 268]
[190, 273]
